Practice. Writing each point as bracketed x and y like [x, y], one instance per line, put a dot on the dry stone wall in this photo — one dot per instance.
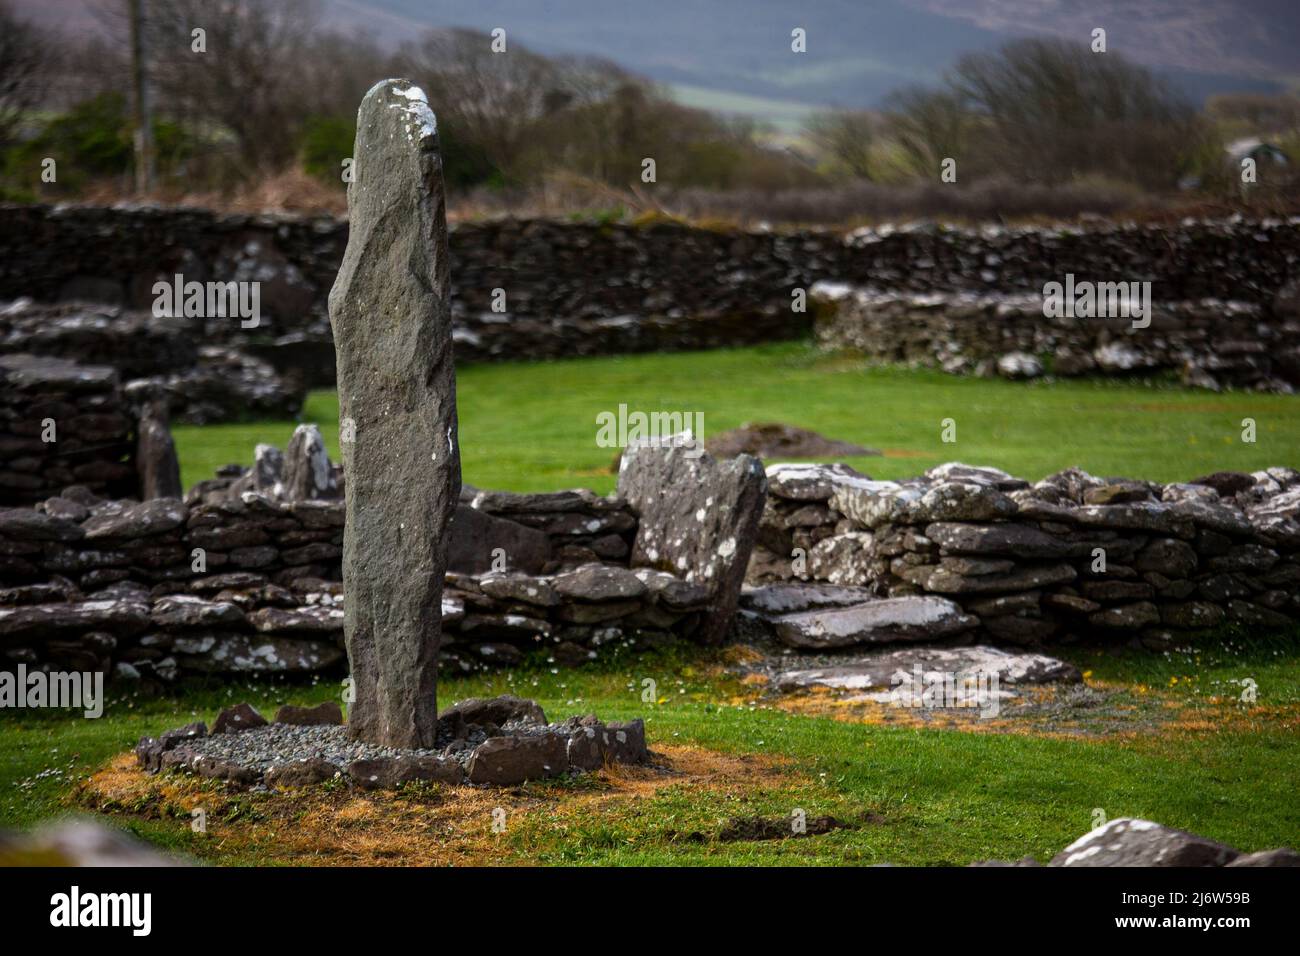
[61, 423]
[959, 554]
[1207, 343]
[1071, 556]
[245, 573]
[238, 581]
[586, 289]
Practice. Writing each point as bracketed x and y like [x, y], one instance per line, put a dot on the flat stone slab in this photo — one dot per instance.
[789, 598]
[882, 670]
[876, 622]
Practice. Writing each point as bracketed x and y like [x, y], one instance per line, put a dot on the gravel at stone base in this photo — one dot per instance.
[262, 748]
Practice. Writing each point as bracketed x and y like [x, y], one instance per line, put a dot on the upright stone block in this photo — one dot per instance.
[698, 520]
[155, 455]
[391, 316]
[308, 474]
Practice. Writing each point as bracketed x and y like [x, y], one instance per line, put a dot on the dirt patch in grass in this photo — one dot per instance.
[336, 825]
[762, 828]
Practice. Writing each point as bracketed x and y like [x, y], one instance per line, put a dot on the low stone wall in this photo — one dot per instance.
[246, 582]
[1071, 556]
[1208, 343]
[61, 424]
[585, 288]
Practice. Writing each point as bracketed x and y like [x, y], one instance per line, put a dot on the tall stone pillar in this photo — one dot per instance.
[391, 316]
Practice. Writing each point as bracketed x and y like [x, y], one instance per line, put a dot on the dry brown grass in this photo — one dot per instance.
[336, 825]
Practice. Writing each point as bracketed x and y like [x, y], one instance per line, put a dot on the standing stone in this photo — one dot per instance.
[155, 454]
[698, 520]
[268, 468]
[391, 317]
[308, 474]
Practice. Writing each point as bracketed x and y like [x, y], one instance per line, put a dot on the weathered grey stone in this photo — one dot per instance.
[519, 587]
[299, 620]
[625, 742]
[389, 773]
[149, 750]
[1245, 557]
[873, 504]
[843, 559]
[323, 714]
[184, 610]
[391, 316]
[698, 519]
[268, 468]
[1117, 492]
[26, 524]
[137, 521]
[155, 454]
[1140, 516]
[1014, 540]
[943, 581]
[491, 711]
[1129, 617]
[218, 768]
[124, 616]
[1131, 842]
[777, 599]
[587, 746]
[237, 718]
[810, 482]
[1279, 857]
[1168, 556]
[887, 620]
[671, 591]
[253, 654]
[300, 773]
[877, 670]
[1255, 616]
[476, 536]
[308, 474]
[511, 760]
[1226, 483]
[508, 626]
[600, 582]
[1192, 615]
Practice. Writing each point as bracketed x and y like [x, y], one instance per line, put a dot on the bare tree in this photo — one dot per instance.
[242, 75]
[846, 138]
[1059, 111]
[26, 55]
[929, 126]
[493, 99]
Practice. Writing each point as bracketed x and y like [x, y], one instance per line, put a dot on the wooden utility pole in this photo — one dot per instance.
[144, 152]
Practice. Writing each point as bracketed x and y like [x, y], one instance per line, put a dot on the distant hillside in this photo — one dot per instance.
[734, 55]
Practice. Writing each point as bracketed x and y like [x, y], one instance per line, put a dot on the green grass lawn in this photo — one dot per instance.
[1195, 757]
[532, 426]
[911, 796]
